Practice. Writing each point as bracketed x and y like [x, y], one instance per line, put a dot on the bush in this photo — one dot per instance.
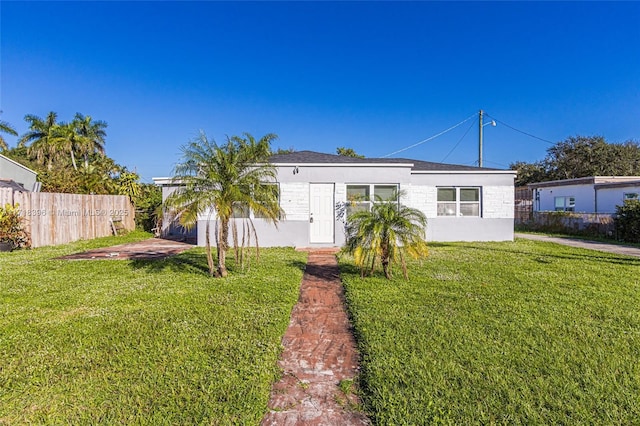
[12, 227]
[628, 221]
[148, 204]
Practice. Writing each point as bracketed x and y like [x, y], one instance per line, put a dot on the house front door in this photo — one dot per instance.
[321, 213]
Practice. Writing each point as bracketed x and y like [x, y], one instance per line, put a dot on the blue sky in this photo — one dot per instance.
[373, 76]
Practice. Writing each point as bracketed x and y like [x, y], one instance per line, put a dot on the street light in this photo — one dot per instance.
[480, 126]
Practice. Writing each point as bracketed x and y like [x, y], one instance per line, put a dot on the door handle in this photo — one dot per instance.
[311, 219]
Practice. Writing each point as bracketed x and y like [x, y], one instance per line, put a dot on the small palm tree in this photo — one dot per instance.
[386, 234]
[6, 128]
[218, 180]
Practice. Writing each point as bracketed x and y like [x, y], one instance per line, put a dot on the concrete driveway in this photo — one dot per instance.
[591, 245]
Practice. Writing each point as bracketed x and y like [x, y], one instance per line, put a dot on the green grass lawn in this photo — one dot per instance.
[501, 333]
[140, 342]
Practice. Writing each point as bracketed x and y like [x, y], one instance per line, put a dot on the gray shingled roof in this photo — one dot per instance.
[8, 183]
[312, 157]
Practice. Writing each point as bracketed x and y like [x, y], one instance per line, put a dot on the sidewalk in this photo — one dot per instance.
[591, 245]
[319, 352]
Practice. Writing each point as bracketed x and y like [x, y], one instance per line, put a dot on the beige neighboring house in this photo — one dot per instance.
[15, 175]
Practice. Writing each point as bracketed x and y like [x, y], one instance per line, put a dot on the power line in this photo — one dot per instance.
[520, 131]
[457, 143]
[431, 138]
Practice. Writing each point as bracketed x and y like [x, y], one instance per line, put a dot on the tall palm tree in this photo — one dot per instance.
[217, 180]
[6, 128]
[43, 138]
[93, 133]
[386, 234]
[65, 137]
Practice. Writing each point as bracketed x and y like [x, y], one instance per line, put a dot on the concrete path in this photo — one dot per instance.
[319, 353]
[592, 245]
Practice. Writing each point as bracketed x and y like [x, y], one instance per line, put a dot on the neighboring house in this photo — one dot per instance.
[317, 191]
[22, 175]
[595, 194]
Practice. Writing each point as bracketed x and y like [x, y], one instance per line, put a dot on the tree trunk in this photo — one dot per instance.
[384, 259]
[222, 247]
[207, 244]
[385, 267]
[73, 160]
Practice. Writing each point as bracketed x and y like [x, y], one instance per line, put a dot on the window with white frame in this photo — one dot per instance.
[459, 201]
[630, 196]
[362, 196]
[564, 204]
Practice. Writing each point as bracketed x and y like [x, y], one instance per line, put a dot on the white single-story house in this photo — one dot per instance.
[11, 170]
[462, 203]
[595, 194]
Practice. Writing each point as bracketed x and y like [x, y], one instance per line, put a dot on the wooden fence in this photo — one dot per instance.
[52, 218]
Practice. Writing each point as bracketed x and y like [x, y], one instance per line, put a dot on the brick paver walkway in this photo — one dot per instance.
[319, 352]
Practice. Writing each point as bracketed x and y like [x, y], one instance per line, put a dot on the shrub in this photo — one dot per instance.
[12, 227]
[628, 221]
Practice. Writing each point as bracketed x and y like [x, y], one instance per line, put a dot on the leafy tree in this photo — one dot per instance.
[147, 203]
[348, 152]
[386, 234]
[582, 156]
[6, 128]
[224, 179]
[128, 183]
[529, 172]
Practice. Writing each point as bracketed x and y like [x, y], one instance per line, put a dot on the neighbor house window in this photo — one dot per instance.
[630, 196]
[459, 201]
[564, 204]
[363, 196]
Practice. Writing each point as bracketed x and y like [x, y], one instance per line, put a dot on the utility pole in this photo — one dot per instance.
[480, 139]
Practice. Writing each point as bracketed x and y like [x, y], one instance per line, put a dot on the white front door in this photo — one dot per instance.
[321, 213]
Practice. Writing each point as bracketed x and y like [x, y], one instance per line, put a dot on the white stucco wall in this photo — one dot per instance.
[584, 196]
[497, 202]
[609, 198]
[20, 174]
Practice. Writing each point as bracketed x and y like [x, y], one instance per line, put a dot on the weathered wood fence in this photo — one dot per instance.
[53, 218]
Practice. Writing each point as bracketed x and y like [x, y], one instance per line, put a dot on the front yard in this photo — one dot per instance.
[143, 342]
[501, 333]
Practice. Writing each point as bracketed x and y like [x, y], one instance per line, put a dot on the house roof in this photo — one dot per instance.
[600, 181]
[312, 157]
[8, 183]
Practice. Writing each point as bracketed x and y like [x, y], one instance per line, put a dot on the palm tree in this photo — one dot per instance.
[44, 138]
[93, 133]
[387, 233]
[6, 128]
[222, 179]
[65, 137]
